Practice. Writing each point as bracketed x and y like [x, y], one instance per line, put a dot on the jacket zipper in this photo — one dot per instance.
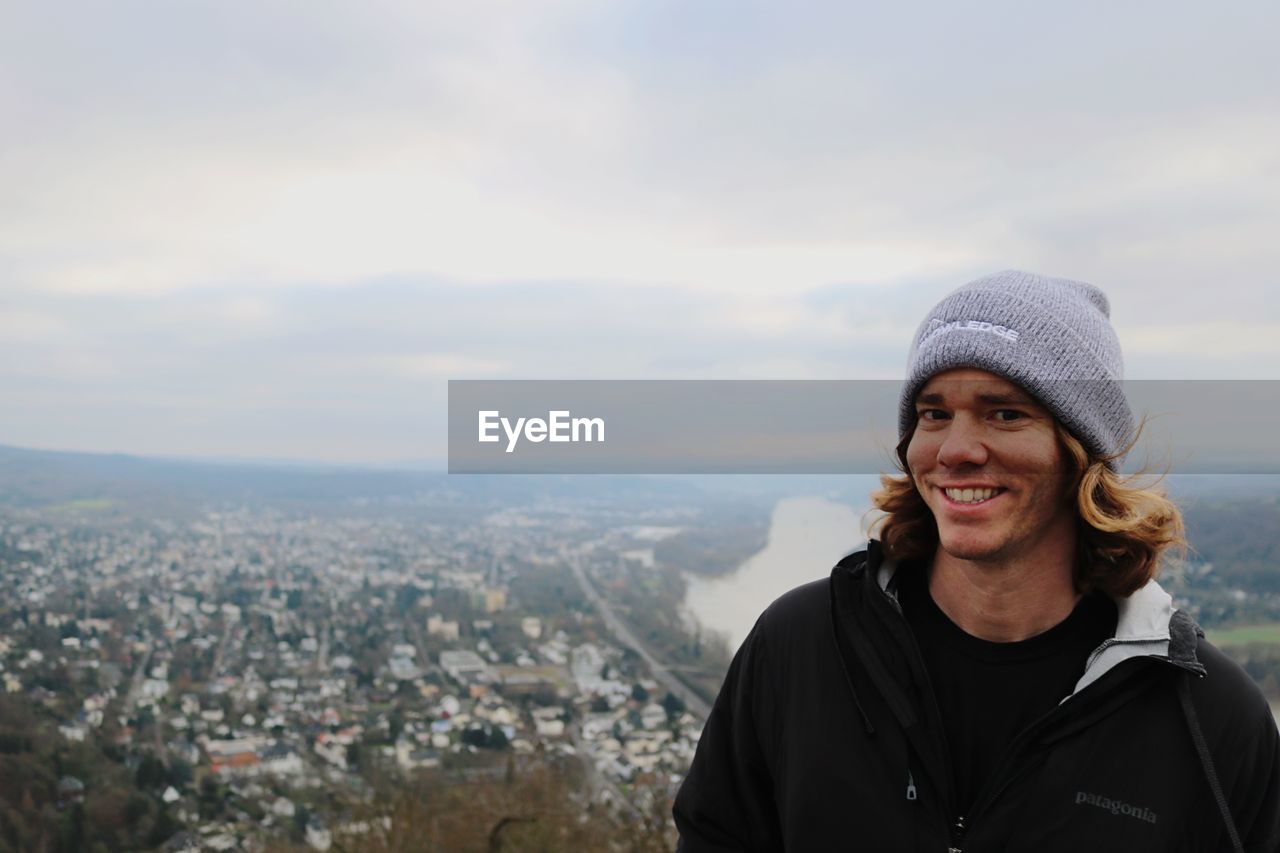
[957, 835]
[958, 826]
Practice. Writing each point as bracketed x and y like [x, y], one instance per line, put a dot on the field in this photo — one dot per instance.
[1245, 635]
[82, 505]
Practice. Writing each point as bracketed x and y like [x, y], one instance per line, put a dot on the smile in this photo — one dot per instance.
[971, 496]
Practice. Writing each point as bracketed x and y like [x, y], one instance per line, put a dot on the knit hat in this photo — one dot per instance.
[1050, 336]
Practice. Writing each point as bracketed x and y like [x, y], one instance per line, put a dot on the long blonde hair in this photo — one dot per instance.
[1123, 525]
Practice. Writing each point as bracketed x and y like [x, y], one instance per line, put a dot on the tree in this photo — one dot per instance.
[71, 830]
[136, 807]
[151, 773]
[485, 737]
[638, 693]
[179, 774]
[163, 829]
[395, 723]
[301, 817]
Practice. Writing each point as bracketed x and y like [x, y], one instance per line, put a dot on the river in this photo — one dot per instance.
[807, 536]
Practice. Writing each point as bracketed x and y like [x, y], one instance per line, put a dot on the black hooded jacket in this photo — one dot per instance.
[826, 736]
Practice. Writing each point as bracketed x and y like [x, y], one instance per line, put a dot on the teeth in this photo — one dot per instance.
[970, 496]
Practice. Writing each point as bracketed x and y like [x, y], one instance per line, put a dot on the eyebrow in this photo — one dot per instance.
[936, 399]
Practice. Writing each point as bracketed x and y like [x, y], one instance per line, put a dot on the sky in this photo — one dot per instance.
[275, 230]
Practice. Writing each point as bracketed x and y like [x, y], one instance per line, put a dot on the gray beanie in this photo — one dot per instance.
[1050, 336]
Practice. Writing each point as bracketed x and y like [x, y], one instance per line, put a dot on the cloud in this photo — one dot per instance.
[745, 148]
[225, 222]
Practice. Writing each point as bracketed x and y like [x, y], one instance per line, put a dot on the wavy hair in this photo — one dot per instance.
[1123, 525]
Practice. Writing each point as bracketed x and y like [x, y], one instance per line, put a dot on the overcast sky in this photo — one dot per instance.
[274, 230]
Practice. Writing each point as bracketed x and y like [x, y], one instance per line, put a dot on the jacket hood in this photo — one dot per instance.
[1147, 623]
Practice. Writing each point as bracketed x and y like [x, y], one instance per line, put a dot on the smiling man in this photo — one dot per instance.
[999, 670]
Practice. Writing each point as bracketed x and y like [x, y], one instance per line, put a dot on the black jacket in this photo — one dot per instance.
[825, 736]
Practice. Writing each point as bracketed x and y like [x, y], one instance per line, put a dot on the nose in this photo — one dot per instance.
[963, 444]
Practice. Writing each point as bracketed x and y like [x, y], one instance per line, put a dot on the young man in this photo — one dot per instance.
[999, 671]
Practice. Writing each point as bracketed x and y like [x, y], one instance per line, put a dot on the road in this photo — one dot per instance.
[139, 676]
[597, 783]
[221, 650]
[661, 672]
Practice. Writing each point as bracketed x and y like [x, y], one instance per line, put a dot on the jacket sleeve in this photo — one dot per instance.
[1257, 789]
[727, 800]
[1247, 753]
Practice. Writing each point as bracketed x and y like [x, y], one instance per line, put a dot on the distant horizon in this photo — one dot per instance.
[1246, 484]
[423, 465]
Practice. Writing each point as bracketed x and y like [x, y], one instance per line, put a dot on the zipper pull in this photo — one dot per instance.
[957, 835]
[911, 787]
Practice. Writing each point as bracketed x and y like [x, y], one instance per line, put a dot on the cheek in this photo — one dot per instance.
[918, 454]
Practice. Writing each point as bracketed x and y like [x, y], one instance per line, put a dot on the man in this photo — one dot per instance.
[998, 671]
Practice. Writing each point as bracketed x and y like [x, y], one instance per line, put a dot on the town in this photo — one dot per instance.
[222, 660]
[257, 672]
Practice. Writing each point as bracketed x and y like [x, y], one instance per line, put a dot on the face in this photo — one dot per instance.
[986, 458]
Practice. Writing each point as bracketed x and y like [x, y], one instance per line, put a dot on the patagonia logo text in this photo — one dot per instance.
[1115, 806]
[938, 327]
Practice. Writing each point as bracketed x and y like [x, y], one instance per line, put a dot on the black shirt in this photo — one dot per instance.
[989, 692]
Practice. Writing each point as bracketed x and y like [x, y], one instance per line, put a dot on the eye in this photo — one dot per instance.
[1009, 415]
[931, 414]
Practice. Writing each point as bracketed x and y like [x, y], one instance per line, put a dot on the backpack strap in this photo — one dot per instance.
[1206, 760]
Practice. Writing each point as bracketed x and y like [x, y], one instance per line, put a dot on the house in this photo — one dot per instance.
[283, 807]
[549, 728]
[411, 757]
[586, 663]
[281, 759]
[318, 836]
[183, 841]
[331, 750]
[653, 715]
[494, 599]
[463, 665]
[73, 731]
[437, 626]
[70, 791]
[234, 757]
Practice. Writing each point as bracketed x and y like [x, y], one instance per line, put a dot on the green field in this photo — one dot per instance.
[1246, 634]
[82, 505]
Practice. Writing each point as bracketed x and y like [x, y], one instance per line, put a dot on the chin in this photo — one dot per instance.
[969, 547]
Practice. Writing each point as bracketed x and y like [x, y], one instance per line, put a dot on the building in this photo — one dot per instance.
[495, 599]
[464, 665]
[586, 663]
[438, 627]
[234, 757]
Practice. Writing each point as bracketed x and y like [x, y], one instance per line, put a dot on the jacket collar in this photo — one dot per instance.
[1147, 625]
